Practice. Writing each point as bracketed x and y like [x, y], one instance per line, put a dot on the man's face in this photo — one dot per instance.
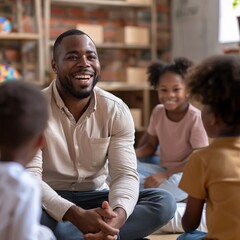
[77, 66]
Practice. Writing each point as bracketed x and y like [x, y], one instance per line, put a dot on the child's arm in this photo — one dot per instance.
[143, 140]
[193, 213]
[178, 168]
[156, 179]
[149, 148]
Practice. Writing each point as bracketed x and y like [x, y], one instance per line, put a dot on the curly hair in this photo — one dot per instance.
[216, 82]
[157, 69]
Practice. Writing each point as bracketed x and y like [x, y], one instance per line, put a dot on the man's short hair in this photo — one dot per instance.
[66, 34]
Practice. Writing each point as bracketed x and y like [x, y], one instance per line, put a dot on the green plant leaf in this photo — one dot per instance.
[235, 3]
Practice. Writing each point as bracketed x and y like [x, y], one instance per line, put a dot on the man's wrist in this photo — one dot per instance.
[121, 215]
[71, 212]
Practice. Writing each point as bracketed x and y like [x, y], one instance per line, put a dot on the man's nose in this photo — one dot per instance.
[83, 61]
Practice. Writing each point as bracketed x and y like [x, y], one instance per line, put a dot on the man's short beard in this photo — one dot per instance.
[79, 95]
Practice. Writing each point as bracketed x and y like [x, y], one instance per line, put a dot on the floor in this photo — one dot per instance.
[163, 237]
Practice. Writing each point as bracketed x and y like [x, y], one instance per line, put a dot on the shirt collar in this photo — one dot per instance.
[93, 101]
[56, 96]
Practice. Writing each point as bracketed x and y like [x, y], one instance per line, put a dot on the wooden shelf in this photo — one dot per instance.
[114, 45]
[19, 36]
[121, 86]
[151, 6]
[25, 41]
[101, 3]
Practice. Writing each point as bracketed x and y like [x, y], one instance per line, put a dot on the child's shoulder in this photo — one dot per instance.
[192, 110]
[10, 169]
[14, 175]
[159, 108]
[158, 111]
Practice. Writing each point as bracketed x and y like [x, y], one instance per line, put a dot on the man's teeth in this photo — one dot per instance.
[83, 77]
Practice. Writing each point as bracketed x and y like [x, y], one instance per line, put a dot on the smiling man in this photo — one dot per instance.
[90, 135]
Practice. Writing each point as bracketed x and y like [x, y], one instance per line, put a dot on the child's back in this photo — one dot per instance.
[19, 204]
[218, 167]
[212, 174]
[23, 118]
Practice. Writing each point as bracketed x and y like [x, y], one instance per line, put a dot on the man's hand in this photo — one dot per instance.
[92, 220]
[99, 236]
[116, 222]
[155, 180]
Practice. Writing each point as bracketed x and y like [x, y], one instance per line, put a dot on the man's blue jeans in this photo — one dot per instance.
[154, 209]
[195, 235]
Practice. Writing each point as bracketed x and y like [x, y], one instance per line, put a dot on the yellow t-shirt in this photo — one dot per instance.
[213, 173]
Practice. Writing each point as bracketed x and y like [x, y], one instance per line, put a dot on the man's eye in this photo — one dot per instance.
[72, 58]
[92, 57]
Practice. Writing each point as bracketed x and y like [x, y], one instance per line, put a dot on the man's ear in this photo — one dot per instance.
[53, 64]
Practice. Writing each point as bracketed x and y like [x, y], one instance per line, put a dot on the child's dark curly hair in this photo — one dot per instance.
[216, 83]
[157, 69]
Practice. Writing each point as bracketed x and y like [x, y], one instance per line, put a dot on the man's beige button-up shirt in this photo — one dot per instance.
[77, 155]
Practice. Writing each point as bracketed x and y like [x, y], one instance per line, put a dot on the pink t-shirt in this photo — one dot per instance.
[177, 139]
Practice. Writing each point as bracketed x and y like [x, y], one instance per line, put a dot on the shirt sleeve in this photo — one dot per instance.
[124, 186]
[27, 212]
[198, 135]
[193, 178]
[55, 205]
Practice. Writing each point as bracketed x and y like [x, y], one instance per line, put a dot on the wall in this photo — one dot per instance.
[195, 28]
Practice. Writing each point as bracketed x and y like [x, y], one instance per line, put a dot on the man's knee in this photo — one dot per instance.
[164, 204]
[48, 221]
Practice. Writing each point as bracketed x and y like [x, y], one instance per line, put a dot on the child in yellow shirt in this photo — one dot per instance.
[212, 174]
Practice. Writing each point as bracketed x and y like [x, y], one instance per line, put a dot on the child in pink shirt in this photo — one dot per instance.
[175, 125]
